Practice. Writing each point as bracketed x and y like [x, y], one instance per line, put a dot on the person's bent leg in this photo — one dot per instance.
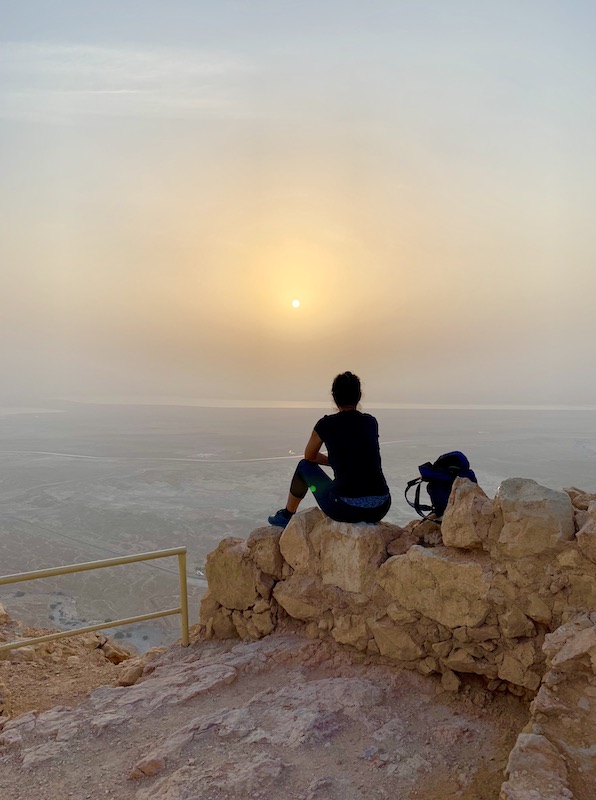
[298, 489]
[307, 475]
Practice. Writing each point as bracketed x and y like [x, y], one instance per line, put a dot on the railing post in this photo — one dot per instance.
[183, 598]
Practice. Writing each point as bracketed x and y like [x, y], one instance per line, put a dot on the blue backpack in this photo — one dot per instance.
[439, 478]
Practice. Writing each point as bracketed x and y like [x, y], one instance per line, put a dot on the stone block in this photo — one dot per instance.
[535, 770]
[232, 575]
[263, 622]
[222, 626]
[536, 520]
[459, 660]
[582, 591]
[516, 666]
[442, 649]
[400, 545]
[263, 544]
[300, 542]
[449, 681]
[536, 608]
[351, 555]
[393, 641]
[586, 539]
[351, 629]
[5, 702]
[447, 586]
[514, 623]
[581, 500]
[470, 517]
[302, 597]
[580, 645]
[208, 607]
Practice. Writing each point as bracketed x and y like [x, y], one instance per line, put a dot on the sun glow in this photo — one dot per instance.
[296, 303]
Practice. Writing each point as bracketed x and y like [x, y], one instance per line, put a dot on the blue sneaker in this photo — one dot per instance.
[281, 518]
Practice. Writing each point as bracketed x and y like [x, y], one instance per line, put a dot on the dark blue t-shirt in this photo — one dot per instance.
[352, 441]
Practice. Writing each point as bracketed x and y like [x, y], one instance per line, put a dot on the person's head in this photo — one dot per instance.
[346, 390]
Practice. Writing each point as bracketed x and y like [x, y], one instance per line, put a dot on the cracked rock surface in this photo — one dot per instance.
[284, 716]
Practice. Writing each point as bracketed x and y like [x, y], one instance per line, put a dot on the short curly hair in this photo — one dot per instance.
[346, 390]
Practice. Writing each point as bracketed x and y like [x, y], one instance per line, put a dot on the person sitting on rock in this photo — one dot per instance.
[358, 492]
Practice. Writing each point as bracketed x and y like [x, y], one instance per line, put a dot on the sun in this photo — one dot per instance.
[296, 303]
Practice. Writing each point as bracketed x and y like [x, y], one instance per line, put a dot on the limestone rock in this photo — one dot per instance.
[393, 641]
[300, 543]
[460, 660]
[440, 584]
[222, 625]
[427, 531]
[244, 626]
[208, 607]
[351, 554]
[329, 788]
[470, 517]
[517, 666]
[302, 597]
[514, 623]
[401, 615]
[449, 681]
[401, 545]
[564, 711]
[264, 584]
[90, 641]
[586, 539]
[263, 544]
[535, 770]
[114, 653]
[536, 608]
[4, 700]
[306, 714]
[263, 622]
[344, 555]
[442, 649]
[148, 767]
[131, 671]
[245, 780]
[232, 575]
[216, 619]
[351, 629]
[536, 520]
[483, 634]
[581, 590]
[481, 603]
[580, 499]
[580, 518]
[572, 643]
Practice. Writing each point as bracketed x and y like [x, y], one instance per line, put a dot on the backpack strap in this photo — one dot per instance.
[420, 508]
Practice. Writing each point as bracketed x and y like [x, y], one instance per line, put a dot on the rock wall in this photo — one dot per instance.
[477, 595]
[505, 589]
[555, 756]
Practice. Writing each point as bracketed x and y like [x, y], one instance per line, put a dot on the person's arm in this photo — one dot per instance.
[311, 451]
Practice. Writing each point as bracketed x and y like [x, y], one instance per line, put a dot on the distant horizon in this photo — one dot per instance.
[213, 402]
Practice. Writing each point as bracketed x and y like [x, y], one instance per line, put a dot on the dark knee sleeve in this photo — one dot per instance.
[298, 487]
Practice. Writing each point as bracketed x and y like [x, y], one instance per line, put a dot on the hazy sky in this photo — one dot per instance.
[420, 175]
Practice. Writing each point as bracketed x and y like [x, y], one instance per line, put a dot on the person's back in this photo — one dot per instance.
[352, 441]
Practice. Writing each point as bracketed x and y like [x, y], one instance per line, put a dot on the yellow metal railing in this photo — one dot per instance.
[109, 562]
